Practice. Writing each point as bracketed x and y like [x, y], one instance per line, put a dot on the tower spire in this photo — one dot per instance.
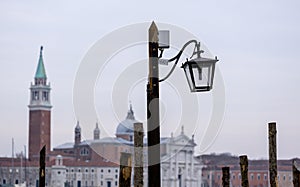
[96, 132]
[130, 113]
[40, 71]
[77, 133]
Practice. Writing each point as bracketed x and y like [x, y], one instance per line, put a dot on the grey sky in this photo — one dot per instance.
[256, 42]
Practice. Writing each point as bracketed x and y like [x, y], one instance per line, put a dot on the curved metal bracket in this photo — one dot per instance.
[177, 57]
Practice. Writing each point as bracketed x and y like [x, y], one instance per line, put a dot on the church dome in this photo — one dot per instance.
[126, 127]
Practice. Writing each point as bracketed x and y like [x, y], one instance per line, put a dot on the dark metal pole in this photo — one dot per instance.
[225, 177]
[42, 173]
[272, 155]
[296, 175]
[244, 170]
[153, 127]
[125, 170]
[138, 155]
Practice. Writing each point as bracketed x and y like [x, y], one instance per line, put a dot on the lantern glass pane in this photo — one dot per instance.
[189, 78]
[201, 75]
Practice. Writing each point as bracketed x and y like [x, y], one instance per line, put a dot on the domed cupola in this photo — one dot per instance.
[125, 129]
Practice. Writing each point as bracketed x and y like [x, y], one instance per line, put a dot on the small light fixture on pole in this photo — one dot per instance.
[199, 71]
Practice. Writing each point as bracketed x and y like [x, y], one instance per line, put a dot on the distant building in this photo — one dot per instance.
[179, 166]
[258, 171]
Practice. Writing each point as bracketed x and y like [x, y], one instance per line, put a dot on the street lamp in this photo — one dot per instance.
[199, 72]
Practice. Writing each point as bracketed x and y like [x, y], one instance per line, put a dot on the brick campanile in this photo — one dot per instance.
[39, 112]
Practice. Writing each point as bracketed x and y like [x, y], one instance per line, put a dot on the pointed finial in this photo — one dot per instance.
[41, 51]
[182, 129]
[130, 113]
[130, 106]
[77, 125]
[153, 33]
[97, 125]
[172, 135]
[193, 137]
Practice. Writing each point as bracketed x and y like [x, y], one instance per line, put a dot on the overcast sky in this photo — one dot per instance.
[257, 43]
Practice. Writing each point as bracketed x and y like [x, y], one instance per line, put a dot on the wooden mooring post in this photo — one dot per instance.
[273, 155]
[125, 170]
[42, 170]
[296, 175]
[244, 170]
[225, 177]
[138, 178]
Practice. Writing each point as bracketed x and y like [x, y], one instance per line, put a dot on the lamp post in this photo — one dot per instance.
[199, 72]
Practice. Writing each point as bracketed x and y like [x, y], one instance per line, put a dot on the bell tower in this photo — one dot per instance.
[96, 132]
[39, 112]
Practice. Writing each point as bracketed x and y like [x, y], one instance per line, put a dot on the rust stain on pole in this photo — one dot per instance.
[273, 155]
[125, 170]
[138, 155]
[225, 177]
[244, 170]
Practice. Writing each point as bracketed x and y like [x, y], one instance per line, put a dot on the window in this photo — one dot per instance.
[116, 171]
[265, 177]
[101, 183]
[108, 170]
[233, 176]
[84, 151]
[101, 170]
[284, 177]
[258, 177]
[116, 183]
[252, 176]
[35, 95]
[86, 170]
[58, 172]
[45, 96]
[116, 176]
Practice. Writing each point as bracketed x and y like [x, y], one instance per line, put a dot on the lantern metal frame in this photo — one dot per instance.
[199, 64]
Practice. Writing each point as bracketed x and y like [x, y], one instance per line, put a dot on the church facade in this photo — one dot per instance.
[95, 162]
